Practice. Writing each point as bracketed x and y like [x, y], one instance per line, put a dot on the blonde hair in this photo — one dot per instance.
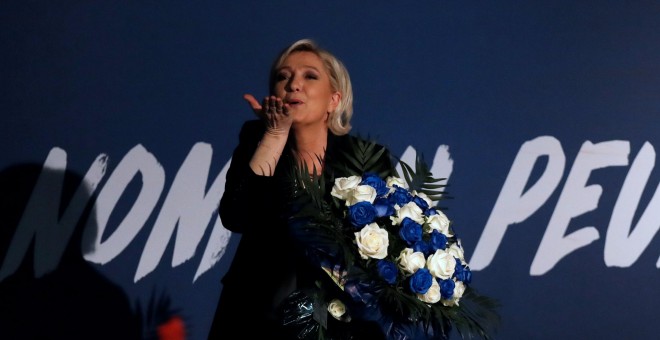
[339, 121]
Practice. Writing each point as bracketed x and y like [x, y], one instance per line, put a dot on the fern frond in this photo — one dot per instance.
[363, 156]
[421, 179]
[475, 317]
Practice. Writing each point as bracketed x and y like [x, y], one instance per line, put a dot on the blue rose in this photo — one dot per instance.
[421, 281]
[462, 273]
[410, 231]
[421, 203]
[388, 271]
[422, 247]
[400, 196]
[447, 288]
[430, 212]
[361, 214]
[376, 182]
[438, 240]
[383, 207]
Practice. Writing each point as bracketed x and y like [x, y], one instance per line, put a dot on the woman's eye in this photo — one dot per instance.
[311, 76]
[281, 76]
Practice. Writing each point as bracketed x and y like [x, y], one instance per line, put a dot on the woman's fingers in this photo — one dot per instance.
[272, 109]
[280, 107]
[276, 116]
[275, 107]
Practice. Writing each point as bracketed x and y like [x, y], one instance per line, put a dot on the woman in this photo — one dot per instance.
[304, 125]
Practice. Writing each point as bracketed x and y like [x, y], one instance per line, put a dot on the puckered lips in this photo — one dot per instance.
[293, 102]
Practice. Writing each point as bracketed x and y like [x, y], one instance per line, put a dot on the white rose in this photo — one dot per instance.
[344, 185]
[457, 251]
[432, 295]
[459, 290]
[441, 264]
[361, 193]
[410, 210]
[372, 241]
[439, 222]
[392, 181]
[409, 261]
[337, 309]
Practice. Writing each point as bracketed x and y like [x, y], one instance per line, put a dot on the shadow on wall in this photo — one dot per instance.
[71, 300]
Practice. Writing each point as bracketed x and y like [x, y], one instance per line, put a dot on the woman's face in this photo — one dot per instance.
[304, 85]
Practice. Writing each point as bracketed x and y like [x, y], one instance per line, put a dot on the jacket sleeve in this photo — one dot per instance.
[247, 196]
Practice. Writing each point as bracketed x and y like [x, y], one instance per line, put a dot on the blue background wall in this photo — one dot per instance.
[481, 77]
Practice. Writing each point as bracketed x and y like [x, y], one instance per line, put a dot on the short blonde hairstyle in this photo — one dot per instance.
[339, 121]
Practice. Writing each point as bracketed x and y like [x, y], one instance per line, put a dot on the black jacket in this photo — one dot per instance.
[267, 266]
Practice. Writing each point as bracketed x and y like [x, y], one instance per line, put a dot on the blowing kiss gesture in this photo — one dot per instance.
[275, 114]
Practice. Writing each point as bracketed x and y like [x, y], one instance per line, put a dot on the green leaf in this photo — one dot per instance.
[421, 179]
[362, 156]
[475, 317]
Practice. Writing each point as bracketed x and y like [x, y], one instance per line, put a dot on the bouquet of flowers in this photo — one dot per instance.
[391, 251]
[424, 253]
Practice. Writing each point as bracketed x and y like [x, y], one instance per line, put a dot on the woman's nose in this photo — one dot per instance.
[294, 84]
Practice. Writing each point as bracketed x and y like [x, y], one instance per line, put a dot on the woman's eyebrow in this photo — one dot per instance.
[288, 68]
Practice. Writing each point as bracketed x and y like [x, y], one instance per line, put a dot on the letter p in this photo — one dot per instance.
[514, 205]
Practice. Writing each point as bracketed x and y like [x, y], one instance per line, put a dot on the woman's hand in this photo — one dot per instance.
[278, 123]
[274, 113]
